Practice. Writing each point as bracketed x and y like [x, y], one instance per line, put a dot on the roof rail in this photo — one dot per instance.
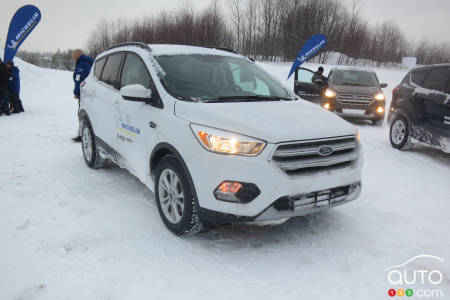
[222, 49]
[137, 44]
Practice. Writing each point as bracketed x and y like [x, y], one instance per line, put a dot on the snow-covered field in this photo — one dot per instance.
[69, 232]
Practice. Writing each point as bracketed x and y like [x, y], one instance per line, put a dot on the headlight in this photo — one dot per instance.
[330, 93]
[379, 97]
[226, 142]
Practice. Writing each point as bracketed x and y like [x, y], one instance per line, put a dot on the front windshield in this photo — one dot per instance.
[211, 78]
[354, 77]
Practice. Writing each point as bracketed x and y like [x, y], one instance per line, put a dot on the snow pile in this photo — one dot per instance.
[69, 232]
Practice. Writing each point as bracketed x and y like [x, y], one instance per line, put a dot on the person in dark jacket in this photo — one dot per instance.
[4, 101]
[82, 69]
[318, 75]
[14, 88]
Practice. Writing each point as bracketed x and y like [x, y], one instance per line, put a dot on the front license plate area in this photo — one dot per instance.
[354, 111]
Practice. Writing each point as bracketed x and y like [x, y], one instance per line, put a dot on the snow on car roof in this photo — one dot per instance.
[166, 49]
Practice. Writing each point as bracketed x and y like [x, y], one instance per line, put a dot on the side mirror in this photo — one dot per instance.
[383, 85]
[136, 92]
[318, 81]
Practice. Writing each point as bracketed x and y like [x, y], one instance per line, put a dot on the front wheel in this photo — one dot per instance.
[175, 198]
[399, 133]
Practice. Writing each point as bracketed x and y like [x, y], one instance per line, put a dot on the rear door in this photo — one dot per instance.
[305, 88]
[435, 98]
[107, 98]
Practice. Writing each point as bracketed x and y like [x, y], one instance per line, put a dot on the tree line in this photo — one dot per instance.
[61, 60]
[271, 30]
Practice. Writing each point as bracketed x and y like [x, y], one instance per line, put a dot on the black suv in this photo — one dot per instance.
[350, 92]
[420, 108]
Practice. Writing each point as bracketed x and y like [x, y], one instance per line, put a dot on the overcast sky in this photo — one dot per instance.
[67, 24]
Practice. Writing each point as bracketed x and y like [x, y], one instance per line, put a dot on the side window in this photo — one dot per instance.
[438, 79]
[135, 72]
[305, 75]
[248, 82]
[418, 77]
[111, 70]
[99, 64]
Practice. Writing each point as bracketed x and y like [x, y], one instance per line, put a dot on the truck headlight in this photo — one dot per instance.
[225, 142]
[330, 93]
[379, 97]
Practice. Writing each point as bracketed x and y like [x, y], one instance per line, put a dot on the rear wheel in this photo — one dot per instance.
[175, 198]
[399, 133]
[90, 148]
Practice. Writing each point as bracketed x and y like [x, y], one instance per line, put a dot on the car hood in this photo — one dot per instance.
[274, 122]
[355, 90]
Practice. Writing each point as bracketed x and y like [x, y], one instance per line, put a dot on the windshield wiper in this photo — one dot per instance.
[247, 99]
[354, 84]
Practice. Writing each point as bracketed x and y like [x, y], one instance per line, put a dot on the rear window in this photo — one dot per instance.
[99, 67]
[111, 70]
[438, 79]
[418, 77]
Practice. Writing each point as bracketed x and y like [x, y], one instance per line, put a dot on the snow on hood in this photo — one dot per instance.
[273, 122]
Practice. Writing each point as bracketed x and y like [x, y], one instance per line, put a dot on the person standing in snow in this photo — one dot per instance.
[82, 69]
[4, 102]
[14, 88]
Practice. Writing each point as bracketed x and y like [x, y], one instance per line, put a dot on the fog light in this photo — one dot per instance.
[354, 188]
[380, 109]
[327, 106]
[238, 192]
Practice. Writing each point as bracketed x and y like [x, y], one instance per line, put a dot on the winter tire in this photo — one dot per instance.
[90, 148]
[399, 133]
[176, 198]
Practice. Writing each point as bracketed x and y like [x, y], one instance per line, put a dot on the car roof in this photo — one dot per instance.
[171, 49]
[426, 67]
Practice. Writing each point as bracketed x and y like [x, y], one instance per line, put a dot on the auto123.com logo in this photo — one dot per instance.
[417, 277]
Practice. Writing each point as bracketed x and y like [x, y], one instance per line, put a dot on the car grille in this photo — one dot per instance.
[315, 199]
[305, 157]
[355, 99]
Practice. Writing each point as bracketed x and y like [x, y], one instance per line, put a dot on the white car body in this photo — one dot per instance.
[132, 132]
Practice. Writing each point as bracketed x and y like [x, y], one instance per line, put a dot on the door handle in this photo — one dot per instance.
[153, 125]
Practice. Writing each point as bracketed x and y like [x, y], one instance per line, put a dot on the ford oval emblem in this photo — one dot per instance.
[325, 150]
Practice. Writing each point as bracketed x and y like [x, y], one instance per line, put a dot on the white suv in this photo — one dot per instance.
[215, 137]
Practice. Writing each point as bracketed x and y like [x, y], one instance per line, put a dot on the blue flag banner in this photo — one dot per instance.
[22, 23]
[311, 47]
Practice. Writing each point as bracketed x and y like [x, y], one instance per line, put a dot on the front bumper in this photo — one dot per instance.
[286, 207]
[370, 110]
[209, 170]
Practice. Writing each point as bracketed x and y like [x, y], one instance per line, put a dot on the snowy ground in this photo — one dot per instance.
[69, 232]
